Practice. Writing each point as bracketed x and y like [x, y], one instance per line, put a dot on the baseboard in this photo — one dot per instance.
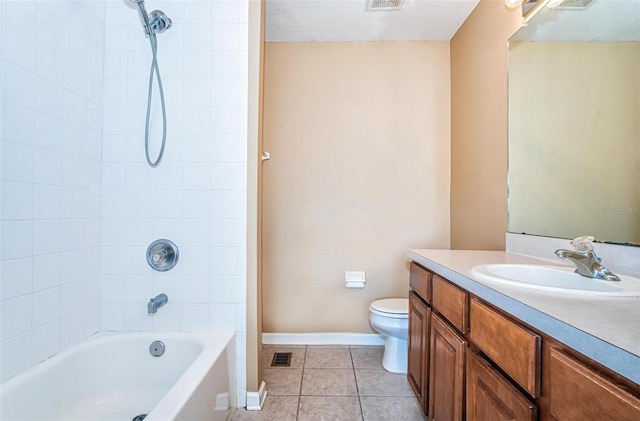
[255, 400]
[322, 339]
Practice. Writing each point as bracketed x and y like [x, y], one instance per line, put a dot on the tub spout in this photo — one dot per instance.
[156, 302]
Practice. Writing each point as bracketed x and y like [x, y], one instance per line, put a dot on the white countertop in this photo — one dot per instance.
[606, 329]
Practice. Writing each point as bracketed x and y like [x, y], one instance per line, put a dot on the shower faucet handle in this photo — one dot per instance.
[162, 255]
[158, 257]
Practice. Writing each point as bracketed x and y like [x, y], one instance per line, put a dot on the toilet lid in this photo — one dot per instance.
[392, 306]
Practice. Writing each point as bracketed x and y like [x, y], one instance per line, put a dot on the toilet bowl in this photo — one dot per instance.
[390, 317]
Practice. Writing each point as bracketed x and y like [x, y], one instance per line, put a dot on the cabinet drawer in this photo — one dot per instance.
[513, 348]
[420, 281]
[492, 397]
[579, 393]
[451, 302]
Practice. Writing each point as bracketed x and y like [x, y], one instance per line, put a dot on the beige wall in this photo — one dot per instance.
[359, 172]
[479, 127]
[254, 195]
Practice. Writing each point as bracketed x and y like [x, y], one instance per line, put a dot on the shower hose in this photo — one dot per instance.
[155, 70]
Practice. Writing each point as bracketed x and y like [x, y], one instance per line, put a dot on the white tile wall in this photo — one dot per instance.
[51, 133]
[79, 205]
[196, 197]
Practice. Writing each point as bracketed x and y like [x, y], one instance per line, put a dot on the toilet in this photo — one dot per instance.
[390, 317]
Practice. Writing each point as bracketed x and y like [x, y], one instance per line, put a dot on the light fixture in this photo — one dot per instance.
[538, 6]
[525, 5]
[534, 6]
[511, 4]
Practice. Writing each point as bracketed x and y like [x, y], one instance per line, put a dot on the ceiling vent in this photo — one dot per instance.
[384, 5]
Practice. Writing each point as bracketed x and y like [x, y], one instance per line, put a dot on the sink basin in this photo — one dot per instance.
[555, 278]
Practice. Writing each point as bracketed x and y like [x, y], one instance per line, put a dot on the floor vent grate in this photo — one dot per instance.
[281, 359]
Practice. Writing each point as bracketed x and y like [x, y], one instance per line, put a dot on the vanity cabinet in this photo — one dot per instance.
[578, 392]
[418, 360]
[490, 396]
[449, 322]
[446, 372]
[511, 347]
[451, 303]
[419, 328]
[469, 360]
[436, 366]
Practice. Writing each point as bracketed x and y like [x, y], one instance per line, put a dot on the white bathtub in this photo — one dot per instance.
[112, 376]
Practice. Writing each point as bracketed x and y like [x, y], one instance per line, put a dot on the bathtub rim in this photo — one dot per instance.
[176, 397]
[214, 345]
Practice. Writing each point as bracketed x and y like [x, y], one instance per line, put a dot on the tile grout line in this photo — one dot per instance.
[304, 364]
[353, 367]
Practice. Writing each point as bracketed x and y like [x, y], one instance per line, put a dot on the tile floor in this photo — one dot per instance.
[336, 383]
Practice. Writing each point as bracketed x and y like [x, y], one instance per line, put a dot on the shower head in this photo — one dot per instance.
[144, 16]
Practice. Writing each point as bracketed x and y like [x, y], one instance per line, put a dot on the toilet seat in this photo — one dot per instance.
[395, 308]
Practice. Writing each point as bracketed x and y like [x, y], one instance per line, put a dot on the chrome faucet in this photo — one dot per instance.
[156, 302]
[588, 264]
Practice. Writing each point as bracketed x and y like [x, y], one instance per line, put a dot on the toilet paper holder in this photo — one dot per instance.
[354, 279]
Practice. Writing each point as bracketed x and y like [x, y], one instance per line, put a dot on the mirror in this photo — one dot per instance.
[574, 122]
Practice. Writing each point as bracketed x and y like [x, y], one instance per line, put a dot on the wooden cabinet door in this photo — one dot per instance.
[579, 393]
[418, 364]
[446, 372]
[492, 397]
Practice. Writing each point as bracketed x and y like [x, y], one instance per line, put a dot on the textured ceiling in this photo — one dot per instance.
[348, 20]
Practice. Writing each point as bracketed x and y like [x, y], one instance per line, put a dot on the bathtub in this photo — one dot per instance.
[112, 376]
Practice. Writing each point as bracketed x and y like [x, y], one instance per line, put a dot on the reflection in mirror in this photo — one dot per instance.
[574, 123]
